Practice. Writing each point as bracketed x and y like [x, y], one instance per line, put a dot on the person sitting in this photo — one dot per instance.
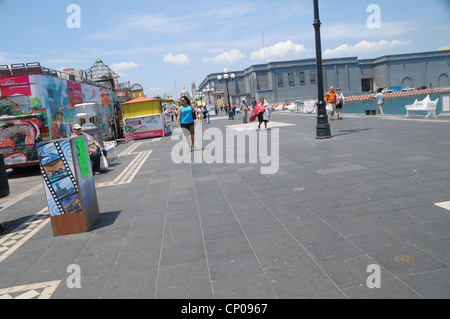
[94, 148]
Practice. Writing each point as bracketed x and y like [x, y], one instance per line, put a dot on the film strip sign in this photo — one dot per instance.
[69, 174]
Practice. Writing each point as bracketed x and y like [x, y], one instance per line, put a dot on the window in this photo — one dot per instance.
[302, 78]
[313, 77]
[280, 80]
[291, 79]
[366, 85]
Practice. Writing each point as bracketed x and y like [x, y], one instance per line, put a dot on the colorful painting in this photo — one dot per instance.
[39, 108]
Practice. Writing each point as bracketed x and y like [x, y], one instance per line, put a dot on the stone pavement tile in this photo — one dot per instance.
[352, 271]
[241, 197]
[390, 289]
[353, 225]
[194, 272]
[254, 204]
[224, 267]
[422, 262]
[222, 231]
[91, 287]
[139, 242]
[182, 219]
[310, 233]
[439, 250]
[130, 281]
[371, 207]
[220, 218]
[246, 287]
[108, 234]
[194, 291]
[423, 232]
[210, 198]
[244, 215]
[299, 281]
[182, 254]
[294, 214]
[261, 225]
[377, 240]
[234, 187]
[391, 219]
[428, 213]
[332, 248]
[430, 285]
[277, 250]
[181, 237]
[228, 247]
[334, 215]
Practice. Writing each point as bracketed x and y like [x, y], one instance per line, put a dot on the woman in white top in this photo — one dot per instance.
[340, 99]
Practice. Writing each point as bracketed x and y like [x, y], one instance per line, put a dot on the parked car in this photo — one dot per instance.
[424, 87]
[408, 89]
[386, 90]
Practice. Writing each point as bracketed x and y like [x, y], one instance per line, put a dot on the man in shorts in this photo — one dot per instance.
[331, 99]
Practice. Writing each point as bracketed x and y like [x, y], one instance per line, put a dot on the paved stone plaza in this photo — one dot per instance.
[378, 190]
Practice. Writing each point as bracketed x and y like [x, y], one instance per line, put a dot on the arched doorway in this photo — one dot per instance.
[443, 80]
[407, 82]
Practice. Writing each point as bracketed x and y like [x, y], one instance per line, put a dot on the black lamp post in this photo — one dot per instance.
[323, 130]
[226, 78]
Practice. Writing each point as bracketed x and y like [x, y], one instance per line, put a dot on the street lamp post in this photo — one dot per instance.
[226, 78]
[323, 130]
[208, 90]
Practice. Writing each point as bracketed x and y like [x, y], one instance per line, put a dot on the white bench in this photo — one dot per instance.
[426, 105]
[110, 147]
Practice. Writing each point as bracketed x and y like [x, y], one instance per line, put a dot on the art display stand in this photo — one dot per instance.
[69, 185]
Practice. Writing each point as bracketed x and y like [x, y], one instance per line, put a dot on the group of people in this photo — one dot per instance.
[335, 103]
[187, 114]
[336, 100]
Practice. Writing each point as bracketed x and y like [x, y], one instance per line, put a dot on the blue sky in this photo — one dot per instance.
[165, 45]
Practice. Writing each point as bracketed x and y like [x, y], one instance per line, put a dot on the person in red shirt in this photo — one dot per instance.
[331, 102]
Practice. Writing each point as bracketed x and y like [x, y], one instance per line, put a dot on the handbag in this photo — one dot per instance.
[104, 161]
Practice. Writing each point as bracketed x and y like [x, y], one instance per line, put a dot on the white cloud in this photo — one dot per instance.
[227, 57]
[363, 47]
[180, 59]
[280, 50]
[124, 66]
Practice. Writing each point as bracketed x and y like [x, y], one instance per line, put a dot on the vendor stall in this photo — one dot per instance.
[143, 118]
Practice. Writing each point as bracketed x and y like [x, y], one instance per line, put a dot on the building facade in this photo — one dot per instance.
[289, 81]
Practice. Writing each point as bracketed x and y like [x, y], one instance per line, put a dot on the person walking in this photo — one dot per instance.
[340, 103]
[244, 111]
[263, 111]
[208, 120]
[380, 100]
[330, 97]
[186, 118]
[94, 148]
[254, 103]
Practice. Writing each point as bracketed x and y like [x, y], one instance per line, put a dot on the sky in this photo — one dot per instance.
[166, 45]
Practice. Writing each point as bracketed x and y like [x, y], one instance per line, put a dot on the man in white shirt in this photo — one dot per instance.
[380, 100]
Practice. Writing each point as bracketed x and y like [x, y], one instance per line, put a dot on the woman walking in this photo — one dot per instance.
[340, 102]
[265, 114]
[186, 117]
